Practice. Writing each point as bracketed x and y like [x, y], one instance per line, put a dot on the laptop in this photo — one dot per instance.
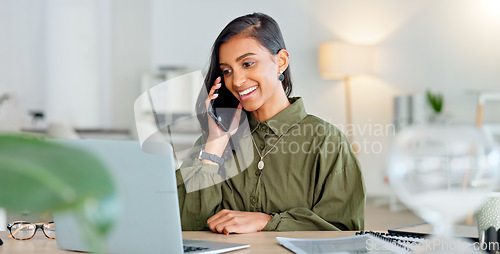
[149, 219]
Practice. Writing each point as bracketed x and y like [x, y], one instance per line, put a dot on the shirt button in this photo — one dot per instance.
[262, 147]
[254, 200]
[258, 172]
[264, 128]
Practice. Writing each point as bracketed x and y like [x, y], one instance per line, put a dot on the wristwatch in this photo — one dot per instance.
[211, 157]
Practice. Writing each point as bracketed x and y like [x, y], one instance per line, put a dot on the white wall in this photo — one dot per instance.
[447, 45]
[21, 57]
[79, 61]
[72, 43]
[131, 47]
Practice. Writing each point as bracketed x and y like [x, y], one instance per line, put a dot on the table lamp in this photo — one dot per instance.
[341, 61]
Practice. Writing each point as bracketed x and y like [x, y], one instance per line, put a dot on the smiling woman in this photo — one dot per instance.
[303, 173]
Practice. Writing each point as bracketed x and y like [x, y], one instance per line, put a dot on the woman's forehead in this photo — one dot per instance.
[237, 46]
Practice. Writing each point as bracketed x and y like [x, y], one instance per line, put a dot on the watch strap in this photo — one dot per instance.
[211, 157]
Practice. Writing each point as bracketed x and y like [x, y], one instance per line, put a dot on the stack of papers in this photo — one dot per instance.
[363, 243]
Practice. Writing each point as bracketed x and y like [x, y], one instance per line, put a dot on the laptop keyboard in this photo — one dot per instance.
[189, 249]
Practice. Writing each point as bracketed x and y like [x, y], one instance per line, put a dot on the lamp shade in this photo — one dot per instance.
[338, 60]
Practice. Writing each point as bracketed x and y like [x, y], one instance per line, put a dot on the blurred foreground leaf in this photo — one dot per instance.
[38, 175]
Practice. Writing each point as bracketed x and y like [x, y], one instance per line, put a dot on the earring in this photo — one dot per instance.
[281, 77]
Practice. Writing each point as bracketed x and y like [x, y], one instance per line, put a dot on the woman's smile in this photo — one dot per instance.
[247, 93]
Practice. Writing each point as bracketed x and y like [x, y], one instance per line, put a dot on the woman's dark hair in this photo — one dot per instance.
[258, 26]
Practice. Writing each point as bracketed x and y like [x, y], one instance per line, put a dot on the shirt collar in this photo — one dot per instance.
[284, 120]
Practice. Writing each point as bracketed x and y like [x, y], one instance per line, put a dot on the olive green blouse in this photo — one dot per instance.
[311, 179]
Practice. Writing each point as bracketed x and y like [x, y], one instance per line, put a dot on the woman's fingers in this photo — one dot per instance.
[216, 216]
[217, 85]
[216, 222]
[229, 221]
[211, 94]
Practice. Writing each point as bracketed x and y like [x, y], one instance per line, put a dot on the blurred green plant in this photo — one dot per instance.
[435, 100]
[38, 175]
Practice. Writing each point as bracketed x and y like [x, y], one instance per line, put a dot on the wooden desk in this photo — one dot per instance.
[262, 242]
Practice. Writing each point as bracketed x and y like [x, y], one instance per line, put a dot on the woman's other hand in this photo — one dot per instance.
[229, 221]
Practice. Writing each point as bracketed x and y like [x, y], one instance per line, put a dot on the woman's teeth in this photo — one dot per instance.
[247, 91]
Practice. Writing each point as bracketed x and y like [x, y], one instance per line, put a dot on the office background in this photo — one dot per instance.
[81, 61]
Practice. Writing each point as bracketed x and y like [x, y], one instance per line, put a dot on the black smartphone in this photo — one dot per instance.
[223, 108]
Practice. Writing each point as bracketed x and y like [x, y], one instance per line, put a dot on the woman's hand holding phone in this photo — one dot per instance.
[218, 138]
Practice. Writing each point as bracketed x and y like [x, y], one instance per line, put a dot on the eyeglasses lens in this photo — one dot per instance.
[23, 230]
[50, 230]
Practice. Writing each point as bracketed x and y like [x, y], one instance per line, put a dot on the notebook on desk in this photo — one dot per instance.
[149, 219]
[362, 242]
[426, 229]
[398, 240]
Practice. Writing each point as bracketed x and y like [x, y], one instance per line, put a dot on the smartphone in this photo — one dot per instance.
[223, 108]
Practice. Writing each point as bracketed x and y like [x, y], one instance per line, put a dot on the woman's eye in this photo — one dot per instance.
[248, 64]
[226, 72]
